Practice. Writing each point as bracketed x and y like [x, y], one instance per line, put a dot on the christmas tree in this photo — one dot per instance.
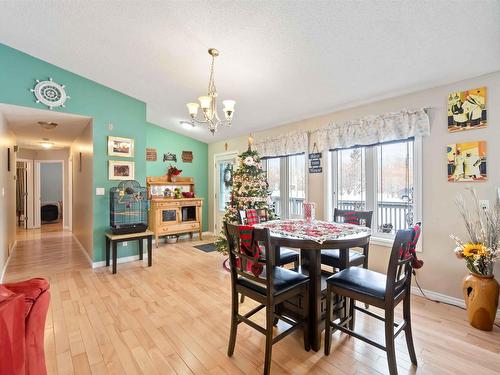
[250, 190]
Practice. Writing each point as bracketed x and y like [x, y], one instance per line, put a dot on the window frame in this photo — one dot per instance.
[285, 182]
[371, 178]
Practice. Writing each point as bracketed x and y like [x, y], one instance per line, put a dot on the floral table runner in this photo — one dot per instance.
[315, 230]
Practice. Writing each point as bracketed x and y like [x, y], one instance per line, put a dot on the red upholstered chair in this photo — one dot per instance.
[11, 330]
[36, 295]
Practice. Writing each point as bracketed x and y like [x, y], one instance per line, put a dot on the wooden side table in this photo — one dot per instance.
[112, 241]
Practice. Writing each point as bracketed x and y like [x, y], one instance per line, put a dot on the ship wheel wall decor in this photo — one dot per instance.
[50, 93]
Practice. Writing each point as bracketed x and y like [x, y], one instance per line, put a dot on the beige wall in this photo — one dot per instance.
[63, 155]
[7, 193]
[442, 272]
[82, 189]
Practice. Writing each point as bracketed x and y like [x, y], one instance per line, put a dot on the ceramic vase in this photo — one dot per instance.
[481, 299]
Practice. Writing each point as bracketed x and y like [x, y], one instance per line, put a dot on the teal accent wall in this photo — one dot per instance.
[164, 141]
[18, 72]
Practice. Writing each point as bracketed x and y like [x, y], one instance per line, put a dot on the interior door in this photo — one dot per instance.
[224, 165]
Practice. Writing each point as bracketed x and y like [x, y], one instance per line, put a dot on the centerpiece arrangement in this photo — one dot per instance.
[480, 252]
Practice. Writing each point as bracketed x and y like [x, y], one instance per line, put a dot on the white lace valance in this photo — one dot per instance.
[287, 144]
[372, 130]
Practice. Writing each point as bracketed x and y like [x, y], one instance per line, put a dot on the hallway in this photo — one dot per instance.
[44, 253]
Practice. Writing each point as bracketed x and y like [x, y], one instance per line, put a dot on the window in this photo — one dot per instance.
[381, 178]
[287, 182]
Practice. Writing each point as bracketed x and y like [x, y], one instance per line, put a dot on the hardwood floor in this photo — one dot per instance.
[174, 318]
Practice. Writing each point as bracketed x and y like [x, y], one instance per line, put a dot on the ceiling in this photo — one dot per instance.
[281, 61]
[24, 124]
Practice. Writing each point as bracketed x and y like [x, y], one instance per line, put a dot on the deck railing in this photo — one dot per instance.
[387, 212]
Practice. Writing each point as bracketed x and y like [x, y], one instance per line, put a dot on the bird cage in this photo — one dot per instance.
[128, 208]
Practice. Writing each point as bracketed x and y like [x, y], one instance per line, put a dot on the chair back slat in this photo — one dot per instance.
[400, 261]
[353, 217]
[251, 261]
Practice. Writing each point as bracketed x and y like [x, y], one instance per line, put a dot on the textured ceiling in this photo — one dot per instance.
[281, 61]
[24, 124]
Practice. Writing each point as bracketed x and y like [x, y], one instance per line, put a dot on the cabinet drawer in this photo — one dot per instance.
[168, 204]
[176, 228]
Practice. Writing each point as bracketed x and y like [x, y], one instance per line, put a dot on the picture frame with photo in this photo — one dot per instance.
[123, 147]
[121, 170]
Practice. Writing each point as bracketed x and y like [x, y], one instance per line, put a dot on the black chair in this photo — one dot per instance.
[331, 257]
[265, 283]
[382, 291]
[287, 256]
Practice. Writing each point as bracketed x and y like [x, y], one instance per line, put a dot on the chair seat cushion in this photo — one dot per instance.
[332, 258]
[361, 280]
[283, 280]
[286, 256]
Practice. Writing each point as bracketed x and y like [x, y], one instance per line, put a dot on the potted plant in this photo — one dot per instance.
[480, 252]
[173, 172]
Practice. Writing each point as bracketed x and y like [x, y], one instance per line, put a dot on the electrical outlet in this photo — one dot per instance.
[125, 243]
[484, 204]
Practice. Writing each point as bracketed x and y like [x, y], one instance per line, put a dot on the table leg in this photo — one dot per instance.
[107, 251]
[312, 260]
[277, 255]
[141, 248]
[114, 245]
[344, 258]
[150, 251]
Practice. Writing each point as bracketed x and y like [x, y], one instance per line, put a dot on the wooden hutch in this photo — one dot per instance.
[169, 215]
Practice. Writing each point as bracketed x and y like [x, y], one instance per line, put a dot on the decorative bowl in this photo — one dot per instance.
[188, 194]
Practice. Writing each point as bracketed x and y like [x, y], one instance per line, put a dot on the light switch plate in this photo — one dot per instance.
[125, 243]
[99, 191]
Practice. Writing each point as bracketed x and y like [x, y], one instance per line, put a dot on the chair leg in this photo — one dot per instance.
[389, 341]
[328, 321]
[296, 264]
[242, 298]
[408, 333]
[269, 339]
[352, 311]
[234, 323]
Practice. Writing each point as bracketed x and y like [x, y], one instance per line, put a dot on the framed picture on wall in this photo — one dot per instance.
[118, 146]
[467, 162]
[121, 170]
[467, 110]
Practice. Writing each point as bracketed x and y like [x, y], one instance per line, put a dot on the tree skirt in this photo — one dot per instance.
[316, 230]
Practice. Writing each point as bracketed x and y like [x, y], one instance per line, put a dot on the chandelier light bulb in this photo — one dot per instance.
[205, 101]
[229, 105]
[193, 109]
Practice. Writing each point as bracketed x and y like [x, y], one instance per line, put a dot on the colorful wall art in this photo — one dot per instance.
[467, 161]
[467, 110]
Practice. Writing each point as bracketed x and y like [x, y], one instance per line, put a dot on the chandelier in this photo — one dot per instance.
[208, 104]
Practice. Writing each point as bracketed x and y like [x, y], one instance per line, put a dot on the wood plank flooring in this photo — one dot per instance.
[173, 318]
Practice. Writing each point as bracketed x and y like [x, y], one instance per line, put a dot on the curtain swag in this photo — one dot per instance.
[287, 144]
[372, 130]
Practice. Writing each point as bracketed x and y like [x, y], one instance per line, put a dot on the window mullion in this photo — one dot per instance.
[371, 183]
[284, 186]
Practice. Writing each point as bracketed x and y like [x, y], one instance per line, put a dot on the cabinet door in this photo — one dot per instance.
[169, 215]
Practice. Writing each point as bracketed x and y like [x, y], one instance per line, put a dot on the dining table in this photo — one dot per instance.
[310, 237]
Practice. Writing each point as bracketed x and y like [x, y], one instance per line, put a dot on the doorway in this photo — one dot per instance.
[24, 194]
[224, 166]
[50, 197]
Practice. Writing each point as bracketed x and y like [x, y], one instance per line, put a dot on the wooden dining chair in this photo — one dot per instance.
[382, 291]
[331, 257]
[258, 279]
[287, 256]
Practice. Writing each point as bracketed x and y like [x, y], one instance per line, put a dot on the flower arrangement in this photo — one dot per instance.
[483, 226]
[173, 171]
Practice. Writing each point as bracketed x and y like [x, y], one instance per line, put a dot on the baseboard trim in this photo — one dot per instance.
[131, 258]
[443, 298]
[11, 251]
[82, 249]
